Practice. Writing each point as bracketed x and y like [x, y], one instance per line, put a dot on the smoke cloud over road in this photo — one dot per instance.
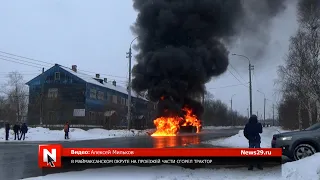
[182, 45]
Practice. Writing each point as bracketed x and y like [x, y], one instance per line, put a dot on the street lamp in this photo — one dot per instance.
[251, 67]
[129, 56]
[264, 105]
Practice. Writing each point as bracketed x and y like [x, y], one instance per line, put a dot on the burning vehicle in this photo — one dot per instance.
[180, 50]
[169, 124]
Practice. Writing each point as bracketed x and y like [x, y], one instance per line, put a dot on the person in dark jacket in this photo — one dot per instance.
[252, 132]
[23, 130]
[7, 129]
[66, 130]
[16, 129]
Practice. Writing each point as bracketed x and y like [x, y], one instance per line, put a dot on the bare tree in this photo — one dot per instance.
[299, 77]
[216, 113]
[294, 78]
[17, 93]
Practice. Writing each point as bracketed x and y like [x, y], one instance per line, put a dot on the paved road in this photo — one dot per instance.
[19, 159]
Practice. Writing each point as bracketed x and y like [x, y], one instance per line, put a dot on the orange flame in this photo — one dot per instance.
[170, 126]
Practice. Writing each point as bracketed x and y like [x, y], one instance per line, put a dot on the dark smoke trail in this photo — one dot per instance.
[255, 25]
[180, 48]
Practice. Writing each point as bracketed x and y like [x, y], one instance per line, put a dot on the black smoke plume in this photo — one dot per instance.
[180, 44]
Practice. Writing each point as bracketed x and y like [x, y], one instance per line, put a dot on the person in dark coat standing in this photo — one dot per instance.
[7, 129]
[252, 132]
[23, 130]
[16, 129]
[66, 130]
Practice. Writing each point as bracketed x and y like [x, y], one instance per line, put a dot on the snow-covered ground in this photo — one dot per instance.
[305, 169]
[221, 127]
[239, 140]
[75, 134]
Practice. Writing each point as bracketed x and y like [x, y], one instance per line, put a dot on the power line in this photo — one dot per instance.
[24, 61]
[236, 71]
[20, 63]
[228, 86]
[237, 78]
[6, 75]
[25, 57]
[46, 63]
[101, 74]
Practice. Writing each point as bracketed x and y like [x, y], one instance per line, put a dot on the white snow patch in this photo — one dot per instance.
[239, 140]
[75, 134]
[306, 169]
[222, 127]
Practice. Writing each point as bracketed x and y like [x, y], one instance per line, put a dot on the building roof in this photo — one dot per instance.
[88, 79]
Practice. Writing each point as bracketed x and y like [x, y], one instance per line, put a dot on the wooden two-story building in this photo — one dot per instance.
[61, 94]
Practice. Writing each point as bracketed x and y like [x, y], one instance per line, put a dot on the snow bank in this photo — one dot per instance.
[239, 140]
[45, 134]
[306, 169]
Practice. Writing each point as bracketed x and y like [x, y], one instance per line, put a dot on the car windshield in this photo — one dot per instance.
[314, 127]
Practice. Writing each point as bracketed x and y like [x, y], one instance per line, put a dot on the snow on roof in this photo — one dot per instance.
[88, 79]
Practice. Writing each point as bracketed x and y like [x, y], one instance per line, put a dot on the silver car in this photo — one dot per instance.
[298, 144]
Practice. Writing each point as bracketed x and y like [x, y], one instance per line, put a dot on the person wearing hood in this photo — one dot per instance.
[252, 132]
[7, 129]
[23, 130]
[16, 129]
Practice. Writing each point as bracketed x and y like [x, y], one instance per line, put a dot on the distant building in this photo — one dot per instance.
[69, 95]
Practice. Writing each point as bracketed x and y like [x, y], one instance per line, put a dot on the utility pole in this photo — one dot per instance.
[250, 86]
[251, 67]
[41, 97]
[248, 112]
[232, 109]
[129, 56]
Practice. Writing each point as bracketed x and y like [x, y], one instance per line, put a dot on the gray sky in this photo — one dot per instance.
[95, 35]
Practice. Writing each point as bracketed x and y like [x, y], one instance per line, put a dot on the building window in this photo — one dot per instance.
[93, 93]
[53, 93]
[100, 95]
[114, 99]
[57, 76]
